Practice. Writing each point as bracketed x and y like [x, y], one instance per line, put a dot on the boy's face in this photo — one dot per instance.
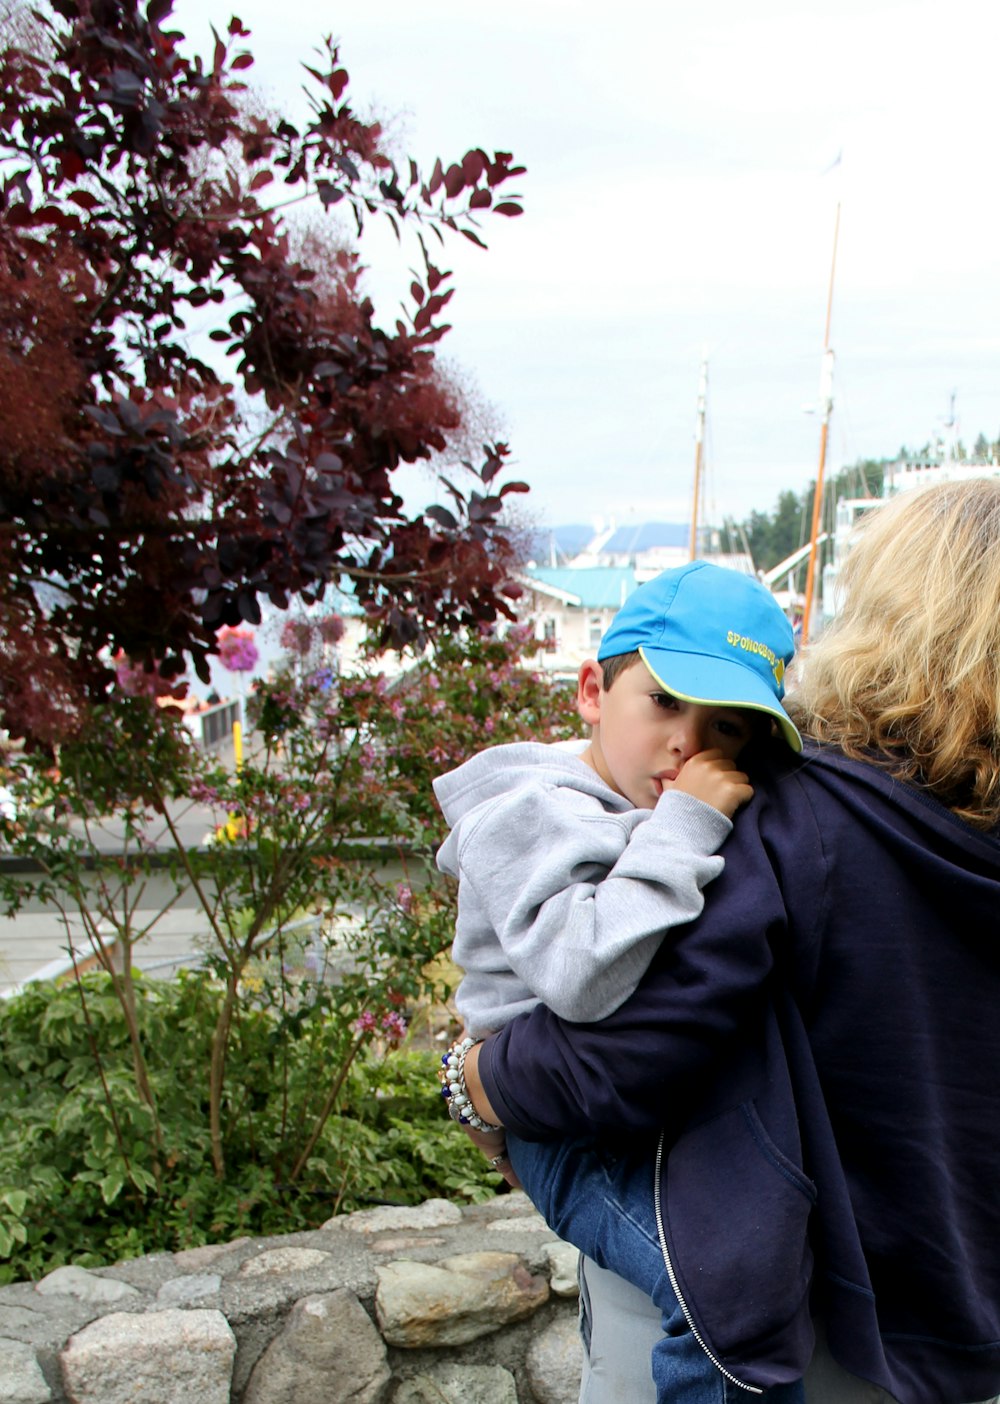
[642, 736]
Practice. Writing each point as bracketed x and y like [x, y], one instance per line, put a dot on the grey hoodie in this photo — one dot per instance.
[565, 890]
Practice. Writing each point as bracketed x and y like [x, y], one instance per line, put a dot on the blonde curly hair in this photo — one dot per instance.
[908, 674]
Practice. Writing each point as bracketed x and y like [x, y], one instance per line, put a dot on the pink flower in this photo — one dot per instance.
[394, 1025]
[404, 896]
[365, 1023]
[203, 793]
[135, 681]
[237, 650]
[296, 636]
[331, 629]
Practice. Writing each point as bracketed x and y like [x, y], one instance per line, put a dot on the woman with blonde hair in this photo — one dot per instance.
[908, 674]
[827, 1033]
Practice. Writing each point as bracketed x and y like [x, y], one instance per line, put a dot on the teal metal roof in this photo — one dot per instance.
[596, 587]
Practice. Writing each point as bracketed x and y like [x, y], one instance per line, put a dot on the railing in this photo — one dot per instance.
[217, 724]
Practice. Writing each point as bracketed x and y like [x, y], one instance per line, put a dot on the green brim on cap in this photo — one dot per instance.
[709, 681]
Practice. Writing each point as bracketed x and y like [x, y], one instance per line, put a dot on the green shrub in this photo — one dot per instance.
[83, 1180]
[253, 1097]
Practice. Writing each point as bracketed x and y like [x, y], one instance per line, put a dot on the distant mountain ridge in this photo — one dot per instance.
[572, 539]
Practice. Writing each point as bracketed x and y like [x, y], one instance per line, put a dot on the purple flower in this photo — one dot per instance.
[202, 793]
[237, 650]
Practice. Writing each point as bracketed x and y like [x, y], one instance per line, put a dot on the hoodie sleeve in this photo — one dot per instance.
[580, 898]
[692, 1009]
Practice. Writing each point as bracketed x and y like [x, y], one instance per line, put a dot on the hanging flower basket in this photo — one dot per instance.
[237, 650]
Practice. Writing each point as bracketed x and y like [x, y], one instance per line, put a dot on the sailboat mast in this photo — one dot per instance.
[826, 403]
[699, 442]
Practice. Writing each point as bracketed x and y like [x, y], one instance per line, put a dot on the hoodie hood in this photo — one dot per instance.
[500, 769]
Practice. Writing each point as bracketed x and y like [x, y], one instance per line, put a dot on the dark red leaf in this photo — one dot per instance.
[454, 181]
[442, 516]
[473, 165]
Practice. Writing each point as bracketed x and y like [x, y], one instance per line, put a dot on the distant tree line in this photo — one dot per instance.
[770, 537]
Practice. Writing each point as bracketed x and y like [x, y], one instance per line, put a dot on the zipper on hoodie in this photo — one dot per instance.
[657, 1208]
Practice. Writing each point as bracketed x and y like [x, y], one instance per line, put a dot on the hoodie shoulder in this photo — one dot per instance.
[501, 769]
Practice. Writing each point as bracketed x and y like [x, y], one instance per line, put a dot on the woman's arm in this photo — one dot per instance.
[541, 1076]
[578, 899]
[480, 1101]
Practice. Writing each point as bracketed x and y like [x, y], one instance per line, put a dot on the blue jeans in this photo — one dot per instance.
[603, 1204]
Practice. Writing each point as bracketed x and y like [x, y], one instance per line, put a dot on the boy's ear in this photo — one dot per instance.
[589, 690]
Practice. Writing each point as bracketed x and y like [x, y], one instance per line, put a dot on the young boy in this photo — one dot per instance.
[572, 868]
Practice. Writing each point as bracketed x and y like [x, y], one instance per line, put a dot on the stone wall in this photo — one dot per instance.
[431, 1305]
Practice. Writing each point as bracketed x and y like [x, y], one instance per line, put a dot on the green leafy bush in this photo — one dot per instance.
[83, 1180]
[263, 1093]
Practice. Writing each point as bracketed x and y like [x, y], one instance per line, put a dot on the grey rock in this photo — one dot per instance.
[433, 1213]
[85, 1286]
[193, 1259]
[161, 1357]
[275, 1262]
[457, 1300]
[248, 1297]
[458, 1384]
[527, 1223]
[182, 1291]
[554, 1362]
[21, 1378]
[147, 1274]
[50, 1327]
[329, 1351]
[562, 1260]
[407, 1243]
[504, 1206]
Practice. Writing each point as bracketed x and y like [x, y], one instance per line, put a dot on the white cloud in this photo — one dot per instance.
[674, 199]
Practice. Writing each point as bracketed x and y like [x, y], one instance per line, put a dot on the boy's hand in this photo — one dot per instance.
[710, 777]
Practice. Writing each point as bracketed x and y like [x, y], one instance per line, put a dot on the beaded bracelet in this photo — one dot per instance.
[454, 1090]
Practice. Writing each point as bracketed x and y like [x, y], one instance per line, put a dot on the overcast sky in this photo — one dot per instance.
[676, 203]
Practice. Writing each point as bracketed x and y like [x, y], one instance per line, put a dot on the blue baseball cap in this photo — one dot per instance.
[709, 635]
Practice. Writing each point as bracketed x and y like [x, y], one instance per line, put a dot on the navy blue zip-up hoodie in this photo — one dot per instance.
[823, 1044]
